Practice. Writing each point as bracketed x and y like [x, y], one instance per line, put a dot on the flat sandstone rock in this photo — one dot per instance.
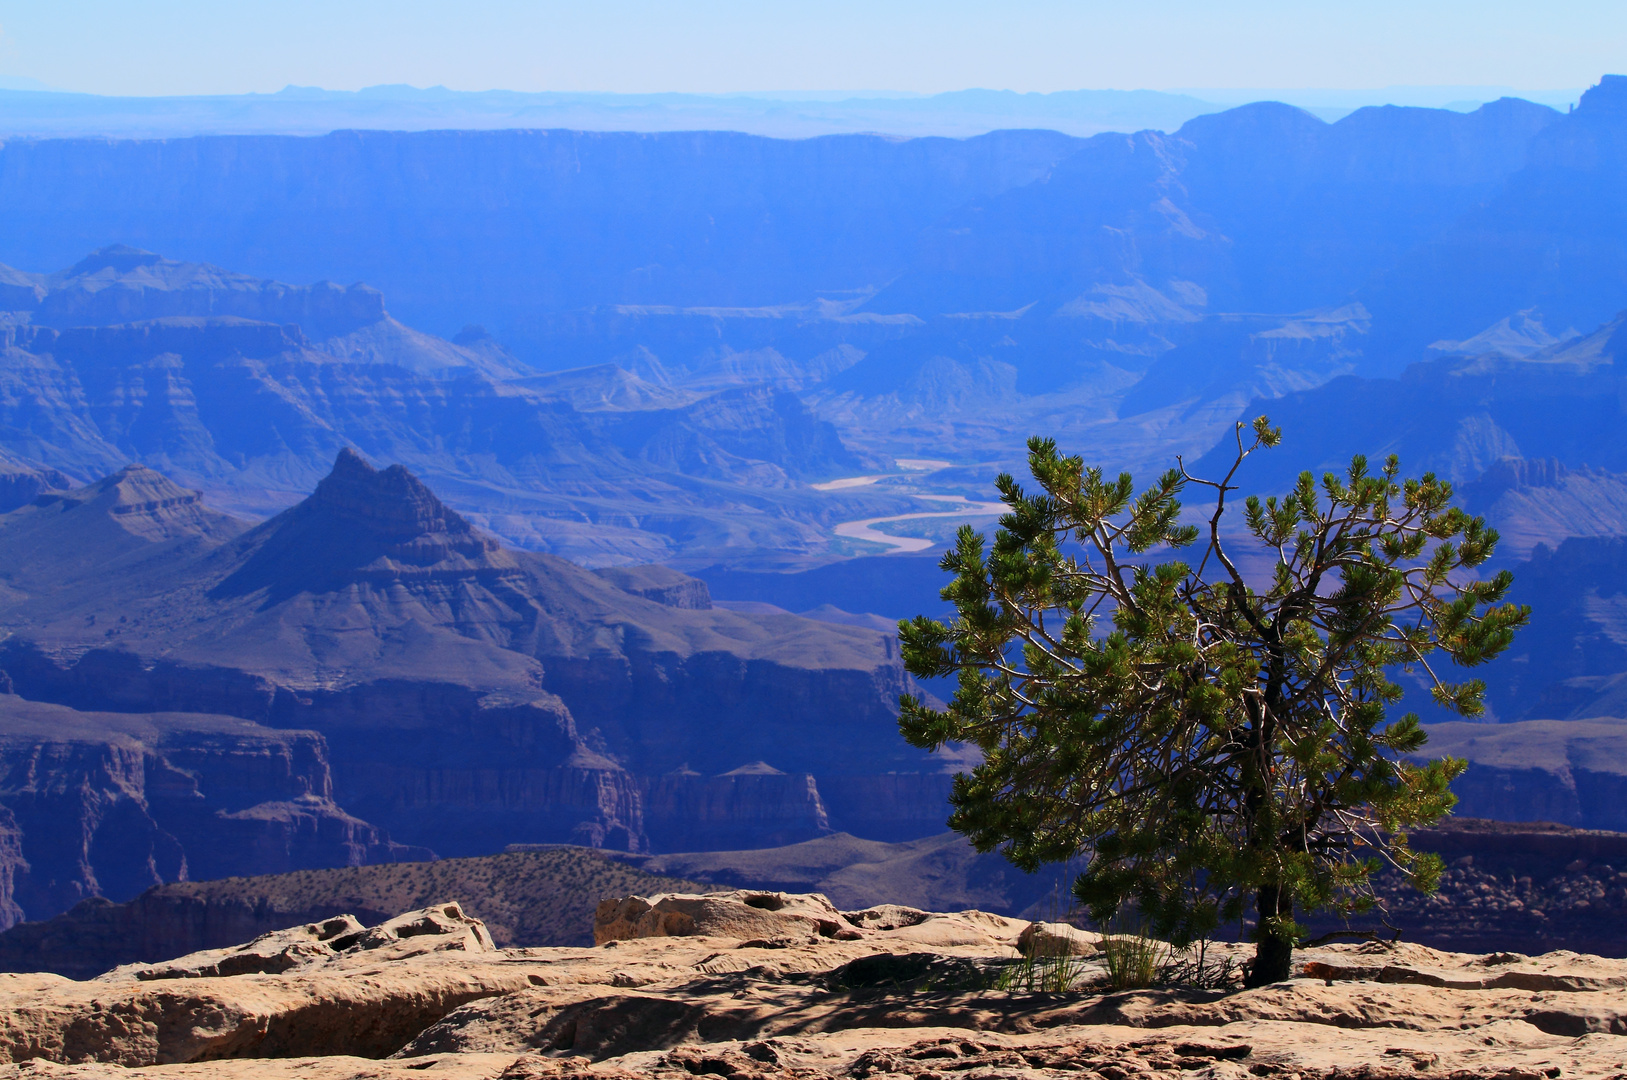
[758, 985]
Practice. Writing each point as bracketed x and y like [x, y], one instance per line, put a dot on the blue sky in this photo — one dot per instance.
[235, 46]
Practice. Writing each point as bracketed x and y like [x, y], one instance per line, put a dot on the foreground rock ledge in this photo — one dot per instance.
[757, 985]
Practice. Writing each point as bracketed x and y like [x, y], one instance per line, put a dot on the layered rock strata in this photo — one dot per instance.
[23, 480]
[469, 696]
[248, 387]
[109, 804]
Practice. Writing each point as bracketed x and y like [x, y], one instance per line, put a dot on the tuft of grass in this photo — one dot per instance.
[1042, 974]
[1133, 958]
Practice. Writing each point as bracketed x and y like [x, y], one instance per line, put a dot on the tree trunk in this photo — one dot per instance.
[1274, 948]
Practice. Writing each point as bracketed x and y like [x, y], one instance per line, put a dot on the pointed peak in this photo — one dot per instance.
[390, 504]
[349, 461]
[139, 483]
[360, 525]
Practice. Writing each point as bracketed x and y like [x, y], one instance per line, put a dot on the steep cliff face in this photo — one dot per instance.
[893, 806]
[471, 696]
[477, 803]
[754, 805]
[86, 823]
[1573, 772]
[12, 866]
[103, 804]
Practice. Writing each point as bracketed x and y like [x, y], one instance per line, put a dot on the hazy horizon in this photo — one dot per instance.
[303, 110]
[189, 47]
[1426, 95]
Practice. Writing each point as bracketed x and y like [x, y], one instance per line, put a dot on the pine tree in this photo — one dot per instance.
[1209, 736]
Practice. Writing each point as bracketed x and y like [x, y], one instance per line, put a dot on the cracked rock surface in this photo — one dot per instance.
[774, 986]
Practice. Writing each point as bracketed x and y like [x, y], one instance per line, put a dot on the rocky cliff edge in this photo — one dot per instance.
[754, 985]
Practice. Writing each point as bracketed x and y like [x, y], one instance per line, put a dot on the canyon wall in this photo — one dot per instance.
[1573, 772]
[467, 696]
[99, 804]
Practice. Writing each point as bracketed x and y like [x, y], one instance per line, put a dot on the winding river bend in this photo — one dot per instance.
[964, 508]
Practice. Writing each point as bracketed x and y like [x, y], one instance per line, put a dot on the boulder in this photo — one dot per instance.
[887, 917]
[743, 914]
[330, 988]
[441, 928]
[976, 929]
[1057, 939]
[268, 954]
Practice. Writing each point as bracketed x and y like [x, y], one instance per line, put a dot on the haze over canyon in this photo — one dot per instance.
[373, 495]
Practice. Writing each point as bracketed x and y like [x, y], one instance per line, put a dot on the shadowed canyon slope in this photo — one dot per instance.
[525, 898]
[467, 695]
[109, 804]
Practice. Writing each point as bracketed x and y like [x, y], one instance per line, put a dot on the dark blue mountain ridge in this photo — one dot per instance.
[1233, 257]
[1264, 207]
[1227, 241]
